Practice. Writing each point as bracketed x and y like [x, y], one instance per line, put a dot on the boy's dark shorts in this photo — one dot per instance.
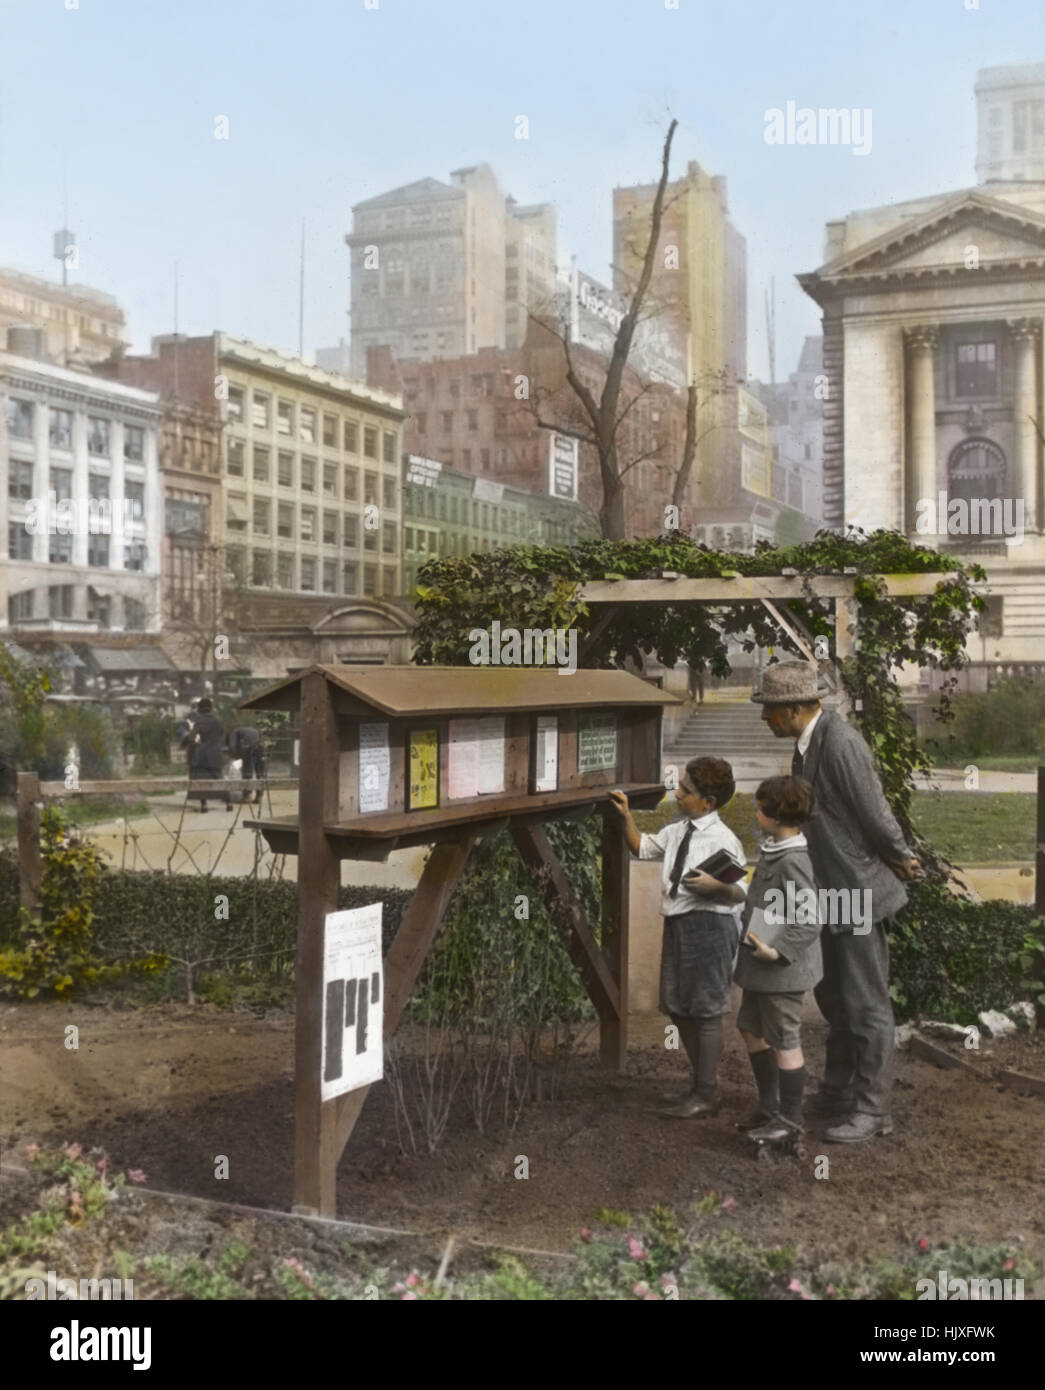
[775, 1017]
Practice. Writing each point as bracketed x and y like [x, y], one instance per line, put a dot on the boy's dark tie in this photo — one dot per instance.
[796, 763]
[680, 861]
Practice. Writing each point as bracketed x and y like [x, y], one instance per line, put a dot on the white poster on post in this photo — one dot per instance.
[475, 757]
[546, 766]
[491, 756]
[353, 1000]
[374, 768]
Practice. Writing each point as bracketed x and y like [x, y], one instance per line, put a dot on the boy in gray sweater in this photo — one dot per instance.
[779, 958]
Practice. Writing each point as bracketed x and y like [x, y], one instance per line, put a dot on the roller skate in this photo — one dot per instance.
[778, 1136]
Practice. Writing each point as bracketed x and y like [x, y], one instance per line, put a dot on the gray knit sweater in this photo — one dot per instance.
[800, 966]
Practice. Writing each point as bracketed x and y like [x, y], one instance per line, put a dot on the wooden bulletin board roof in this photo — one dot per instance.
[435, 690]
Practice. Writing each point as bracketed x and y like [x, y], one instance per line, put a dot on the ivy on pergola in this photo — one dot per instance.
[878, 600]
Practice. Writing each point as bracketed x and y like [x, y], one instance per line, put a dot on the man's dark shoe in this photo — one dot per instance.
[690, 1106]
[757, 1117]
[857, 1128]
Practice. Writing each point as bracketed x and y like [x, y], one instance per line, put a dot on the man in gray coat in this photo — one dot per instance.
[858, 851]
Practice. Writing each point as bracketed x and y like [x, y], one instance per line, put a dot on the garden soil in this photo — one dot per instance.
[167, 1089]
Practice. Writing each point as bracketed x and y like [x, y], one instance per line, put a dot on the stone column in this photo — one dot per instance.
[920, 389]
[1024, 481]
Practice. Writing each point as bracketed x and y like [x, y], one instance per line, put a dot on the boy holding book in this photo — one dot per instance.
[779, 958]
[700, 921]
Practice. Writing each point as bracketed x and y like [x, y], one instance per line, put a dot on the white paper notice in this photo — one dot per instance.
[547, 757]
[491, 756]
[353, 1000]
[373, 767]
[463, 759]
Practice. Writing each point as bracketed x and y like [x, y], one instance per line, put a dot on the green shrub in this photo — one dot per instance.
[1010, 719]
[952, 957]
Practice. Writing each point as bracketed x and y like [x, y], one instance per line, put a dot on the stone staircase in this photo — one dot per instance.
[732, 730]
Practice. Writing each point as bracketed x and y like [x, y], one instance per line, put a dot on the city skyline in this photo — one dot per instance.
[150, 186]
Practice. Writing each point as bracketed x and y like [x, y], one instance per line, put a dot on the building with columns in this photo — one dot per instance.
[69, 438]
[932, 316]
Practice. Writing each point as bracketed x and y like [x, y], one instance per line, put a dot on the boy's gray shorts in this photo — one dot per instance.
[775, 1017]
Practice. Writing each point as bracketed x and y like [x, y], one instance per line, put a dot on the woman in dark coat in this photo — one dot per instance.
[206, 738]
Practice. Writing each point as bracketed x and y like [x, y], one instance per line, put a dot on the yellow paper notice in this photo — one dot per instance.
[424, 768]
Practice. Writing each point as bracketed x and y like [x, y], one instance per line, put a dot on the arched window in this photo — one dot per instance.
[976, 468]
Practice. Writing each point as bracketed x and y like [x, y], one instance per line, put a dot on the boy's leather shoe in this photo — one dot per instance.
[776, 1130]
[691, 1105]
[857, 1128]
[757, 1117]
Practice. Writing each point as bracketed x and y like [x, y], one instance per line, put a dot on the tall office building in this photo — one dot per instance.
[1010, 112]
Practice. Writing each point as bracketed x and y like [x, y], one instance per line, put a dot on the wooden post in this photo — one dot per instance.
[1039, 852]
[613, 1032]
[846, 621]
[30, 865]
[319, 878]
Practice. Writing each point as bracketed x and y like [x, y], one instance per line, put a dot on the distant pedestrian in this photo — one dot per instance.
[857, 848]
[245, 744]
[696, 684]
[205, 748]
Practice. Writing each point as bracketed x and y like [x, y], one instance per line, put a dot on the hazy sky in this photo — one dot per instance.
[329, 102]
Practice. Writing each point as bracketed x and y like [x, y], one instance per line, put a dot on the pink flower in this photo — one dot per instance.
[795, 1286]
[135, 1175]
[651, 1298]
[31, 1150]
[831, 1290]
[641, 1289]
[729, 1204]
[412, 1280]
[1010, 1263]
[408, 1296]
[636, 1250]
[102, 1165]
[73, 1150]
[586, 1235]
[291, 1262]
[667, 1281]
[923, 1245]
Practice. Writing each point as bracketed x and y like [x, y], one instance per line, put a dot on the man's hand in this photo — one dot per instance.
[703, 884]
[619, 802]
[908, 869]
[760, 950]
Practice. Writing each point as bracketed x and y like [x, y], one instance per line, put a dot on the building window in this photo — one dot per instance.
[284, 422]
[308, 475]
[261, 569]
[484, 458]
[285, 571]
[134, 443]
[134, 556]
[421, 422]
[19, 542]
[330, 480]
[285, 469]
[262, 516]
[308, 575]
[60, 600]
[330, 528]
[351, 484]
[133, 615]
[370, 581]
[330, 431]
[447, 418]
[20, 419]
[351, 437]
[236, 511]
[388, 446]
[976, 369]
[350, 577]
[370, 490]
[389, 490]
[61, 429]
[60, 550]
[99, 608]
[261, 405]
[370, 441]
[976, 472]
[234, 458]
[285, 521]
[306, 426]
[388, 538]
[98, 551]
[97, 436]
[388, 580]
[20, 480]
[408, 538]
[262, 456]
[369, 539]
[235, 402]
[308, 523]
[20, 607]
[98, 487]
[134, 494]
[351, 531]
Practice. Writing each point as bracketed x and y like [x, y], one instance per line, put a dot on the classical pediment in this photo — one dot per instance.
[941, 241]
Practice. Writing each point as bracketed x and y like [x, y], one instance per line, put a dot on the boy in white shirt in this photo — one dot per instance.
[701, 930]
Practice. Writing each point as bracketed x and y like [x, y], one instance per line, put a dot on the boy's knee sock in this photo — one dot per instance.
[792, 1084]
[764, 1065]
[709, 1049]
[688, 1036]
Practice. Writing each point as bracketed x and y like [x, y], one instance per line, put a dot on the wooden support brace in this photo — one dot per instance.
[616, 866]
[30, 865]
[566, 912]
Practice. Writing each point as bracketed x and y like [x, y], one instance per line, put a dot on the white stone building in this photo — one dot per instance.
[79, 464]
